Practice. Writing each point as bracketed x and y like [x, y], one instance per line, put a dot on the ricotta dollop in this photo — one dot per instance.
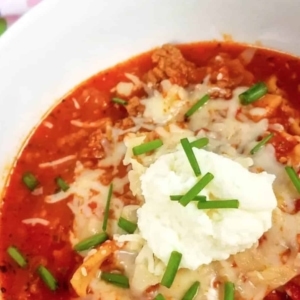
[203, 236]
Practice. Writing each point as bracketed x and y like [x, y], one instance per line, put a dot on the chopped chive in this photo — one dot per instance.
[197, 198]
[115, 279]
[192, 291]
[261, 143]
[215, 204]
[196, 106]
[171, 269]
[200, 143]
[47, 277]
[30, 180]
[106, 211]
[147, 147]
[17, 256]
[196, 189]
[159, 297]
[190, 156]
[62, 184]
[294, 177]
[229, 291]
[127, 225]
[253, 93]
[119, 101]
[91, 242]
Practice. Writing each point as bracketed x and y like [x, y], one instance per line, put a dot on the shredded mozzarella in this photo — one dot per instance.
[76, 104]
[48, 124]
[57, 162]
[34, 221]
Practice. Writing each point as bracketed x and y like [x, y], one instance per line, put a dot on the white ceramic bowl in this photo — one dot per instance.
[62, 42]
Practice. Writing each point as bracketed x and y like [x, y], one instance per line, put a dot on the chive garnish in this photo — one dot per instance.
[106, 211]
[115, 279]
[30, 180]
[294, 177]
[190, 156]
[253, 93]
[159, 297]
[147, 147]
[126, 225]
[197, 198]
[192, 291]
[119, 101]
[196, 106]
[229, 291]
[215, 204]
[47, 277]
[171, 269]
[196, 189]
[91, 242]
[261, 143]
[17, 256]
[200, 143]
[62, 184]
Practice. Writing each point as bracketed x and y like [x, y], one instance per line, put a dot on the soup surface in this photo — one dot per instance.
[103, 201]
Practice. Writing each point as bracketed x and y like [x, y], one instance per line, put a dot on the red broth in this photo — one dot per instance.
[49, 245]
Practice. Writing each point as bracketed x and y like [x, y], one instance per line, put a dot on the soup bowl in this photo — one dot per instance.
[61, 43]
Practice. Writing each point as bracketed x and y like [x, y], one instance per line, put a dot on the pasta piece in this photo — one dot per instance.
[294, 156]
[272, 86]
[87, 271]
[270, 103]
[295, 127]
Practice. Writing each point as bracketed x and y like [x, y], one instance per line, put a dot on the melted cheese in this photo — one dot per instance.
[231, 134]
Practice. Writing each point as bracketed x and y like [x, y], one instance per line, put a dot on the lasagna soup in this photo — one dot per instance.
[173, 175]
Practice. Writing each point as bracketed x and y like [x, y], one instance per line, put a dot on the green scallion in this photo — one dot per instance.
[126, 225]
[147, 147]
[261, 143]
[62, 184]
[200, 143]
[115, 279]
[17, 256]
[190, 156]
[294, 177]
[192, 291]
[30, 180]
[253, 93]
[215, 204]
[119, 101]
[229, 291]
[159, 297]
[171, 269]
[91, 242]
[196, 106]
[197, 198]
[106, 211]
[196, 189]
[47, 277]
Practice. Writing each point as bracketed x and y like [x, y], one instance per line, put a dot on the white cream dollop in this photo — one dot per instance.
[203, 236]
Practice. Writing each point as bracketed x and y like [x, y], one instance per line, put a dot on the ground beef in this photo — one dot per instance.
[94, 148]
[125, 123]
[97, 141]
[170, 64]
[135, 107]
[228, 73]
